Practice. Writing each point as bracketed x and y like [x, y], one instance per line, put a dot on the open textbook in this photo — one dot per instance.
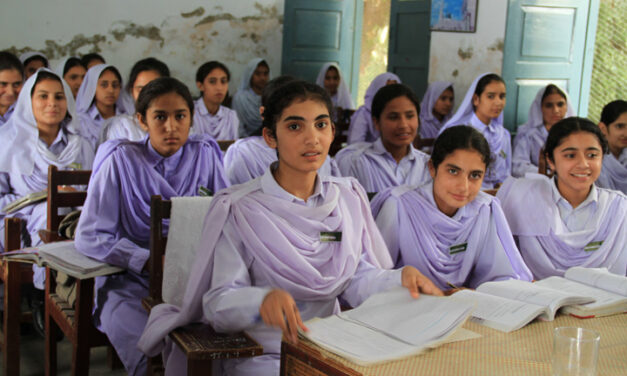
[390, 326]
[29, 199]
[64, 257]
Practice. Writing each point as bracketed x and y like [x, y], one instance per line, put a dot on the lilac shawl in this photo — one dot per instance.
[342, 98]
[429, 124]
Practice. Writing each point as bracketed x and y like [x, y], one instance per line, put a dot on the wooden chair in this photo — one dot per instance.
[421, 143]
[301, 359]
[543, 166]
[199, 342]
[13, 275]
[224, 144]
[341, 131]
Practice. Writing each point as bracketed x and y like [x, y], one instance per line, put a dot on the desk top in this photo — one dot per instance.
[526, 351]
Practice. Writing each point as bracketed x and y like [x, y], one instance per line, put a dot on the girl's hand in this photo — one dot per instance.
[279, 310]
[416, 283]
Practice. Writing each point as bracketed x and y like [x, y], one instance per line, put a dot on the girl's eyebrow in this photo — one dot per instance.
[300, 118]
[572, 148]
[450, 165]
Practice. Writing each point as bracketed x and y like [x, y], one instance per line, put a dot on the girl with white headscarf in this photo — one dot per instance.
[436, 108]
[32, 61]
[247, 99]
[73, 72]
[331, 79]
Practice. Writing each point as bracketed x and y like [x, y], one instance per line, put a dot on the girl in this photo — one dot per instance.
[98, 100]
[361, 126]
[33, 61]
[435, 108]
[251, 156]
[614, 126]
[11, 80]
[391, 160]
[247, 99]
[91, 59]
[210, 117]
[114, 226]
[73, 72]
[330, 78]
[482, 109]
[550, 106]
[567, 221]
[244, 282]
[448, 229]
[126, 125]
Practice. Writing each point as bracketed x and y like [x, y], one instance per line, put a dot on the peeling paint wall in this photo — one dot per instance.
[460, 57]
[184, 34]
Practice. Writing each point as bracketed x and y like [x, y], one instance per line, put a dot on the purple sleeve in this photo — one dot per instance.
[521, 160]
[358, 129]
[369, 280]
[6, 191]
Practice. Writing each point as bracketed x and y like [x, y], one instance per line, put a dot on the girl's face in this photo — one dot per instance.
[74, 78]
[616, 133]
[398, 123]
[108, 88]
[260, 78]
[457, 180]
[215, 86]
[331, 81]
[577, 163]
[304, 133]
[491, 102]
[32, 66]
[168, 120]
[49, 104]
[444, 105]
[553, 109]
[143, 79]
[10, 86]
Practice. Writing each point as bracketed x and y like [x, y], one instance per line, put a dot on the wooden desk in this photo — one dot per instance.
[524, 352]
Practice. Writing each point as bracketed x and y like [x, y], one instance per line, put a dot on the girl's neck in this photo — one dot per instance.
[398, 153]
[106, 111]
[574, 198]
[211, 107]
[299, 184]
[4, 109]
[438, 116]
[616, 151]
[48, 133]
[484, 119]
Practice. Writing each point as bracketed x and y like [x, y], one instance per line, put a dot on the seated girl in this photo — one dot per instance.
[436, 108]
[392, 159]
[614, 126]
[448, 229]
[330, 78]
[32, 61]
[550, 106]
[251, 156]
[91, 59]
[126, 125]
[210, 116]
[361, 127]
[115, 223]
[11, 80]
[73, 72]
[247, 99]
[482, 109]
[264, 267]
[567, 221]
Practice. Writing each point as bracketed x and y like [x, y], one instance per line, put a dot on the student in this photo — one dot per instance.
[73, 72]
[249, 157]
[331, 79]
[244, 282]
[482, 109]
[392, 159]
[91, 59]
[31, 61]
[566, 221]
[115, 223]
[210, 116]
[98, 100]
[550, 106]
[11, 80]
[448, 229]
[614, 126]
[247, 99]
[436, 108]
[361, 128]
[126, 125]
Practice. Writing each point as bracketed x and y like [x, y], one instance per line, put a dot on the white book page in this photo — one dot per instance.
[598, 277]
[603, 298]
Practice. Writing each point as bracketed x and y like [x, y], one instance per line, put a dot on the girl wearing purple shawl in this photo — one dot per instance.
[98, 100]
[361, 128]
[210, 117]
[247, 99]
[448, 229]
[323, 244]
[550, 106]
[115, 223]
[567, 221]
[392, 159]
[11, 80]
[435, 108]
[126, 125]
[614, 126]
[331, 79]
[73, 72]
[32, 61]
[482, 109]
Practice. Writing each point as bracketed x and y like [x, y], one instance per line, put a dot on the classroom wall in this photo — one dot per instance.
[183, 33]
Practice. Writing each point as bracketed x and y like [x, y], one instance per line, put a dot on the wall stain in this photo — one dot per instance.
[498, 45]
[455, 73]
[465, 54]
[214, 33]
[215, 17]
[137, 31]
[195, 13]
[54, 50]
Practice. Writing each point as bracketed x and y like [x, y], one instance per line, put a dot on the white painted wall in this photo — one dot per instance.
[124, 31]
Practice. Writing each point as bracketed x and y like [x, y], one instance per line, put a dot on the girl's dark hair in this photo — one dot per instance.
[71, 63]
[461, 137]
[334, 68]
[87, 58]
[8, 61]
[45, 75]
[552, 89]
[286, 94]
[147, 64]
[114, 70]
[568, 126]
[485, 80]
[272, 85]
[390, 92]
[611, 111]
[208, 67]
[36, 57]
[159, 87]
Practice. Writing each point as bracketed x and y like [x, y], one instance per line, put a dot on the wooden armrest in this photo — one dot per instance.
[149, 303]
[200, 342]
[303, 359]
[48, 236]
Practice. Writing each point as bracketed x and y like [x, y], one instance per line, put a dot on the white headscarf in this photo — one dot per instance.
[87, 91]
[246, 102]
[27, 55]
[343, 96]
[429, 124]
[535, 119]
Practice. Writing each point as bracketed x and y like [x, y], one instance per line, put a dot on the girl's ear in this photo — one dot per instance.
[604, 128]
[475, 100]
[199, 86]
[549, 162]
[269, 137]
[142, 121]
[431, 169]
[377, 126]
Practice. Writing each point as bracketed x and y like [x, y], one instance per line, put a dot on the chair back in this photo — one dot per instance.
[543, 166]
[224, 144]
[159, 211]
[64, 199]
